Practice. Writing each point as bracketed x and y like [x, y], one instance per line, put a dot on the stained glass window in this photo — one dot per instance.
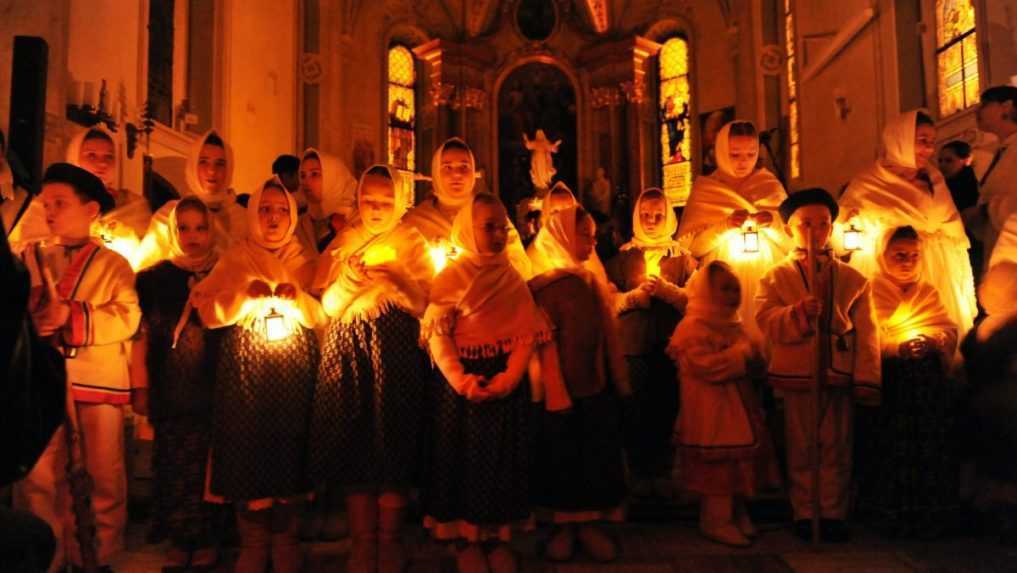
[402, 110]
[794, 126]
[956, 55]
[675, 114]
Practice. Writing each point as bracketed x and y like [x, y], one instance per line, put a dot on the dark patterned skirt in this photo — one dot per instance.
[481, 455]
[655, 397]
[907, 459]
[369, 404]
[580, 463]
[262, 413]
[180, 457]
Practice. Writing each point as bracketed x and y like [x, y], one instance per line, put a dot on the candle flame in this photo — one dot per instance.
[441, 253]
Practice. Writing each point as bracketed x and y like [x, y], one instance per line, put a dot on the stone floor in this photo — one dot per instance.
[675, 547]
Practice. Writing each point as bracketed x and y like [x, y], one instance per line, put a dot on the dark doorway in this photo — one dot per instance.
[535, 96]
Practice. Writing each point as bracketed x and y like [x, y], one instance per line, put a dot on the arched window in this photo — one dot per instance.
[402, 108]
[956, 55]
[675, 101]
[794, 158]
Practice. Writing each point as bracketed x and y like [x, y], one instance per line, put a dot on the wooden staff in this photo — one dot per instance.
[817, 404]
[78, 480]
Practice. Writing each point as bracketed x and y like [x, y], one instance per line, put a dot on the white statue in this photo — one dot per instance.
[541, 163]
[600, 193]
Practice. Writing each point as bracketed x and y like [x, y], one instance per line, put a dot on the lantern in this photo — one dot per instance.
[275, 326]
[853, 238]
[750, 240]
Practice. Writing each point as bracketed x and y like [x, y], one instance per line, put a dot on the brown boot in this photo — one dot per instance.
[255, 535]
[287, 556]
[363, 512]
[391, 553]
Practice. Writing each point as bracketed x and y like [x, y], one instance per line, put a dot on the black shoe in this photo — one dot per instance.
[803, 529]
[102, 569]
[834, 531]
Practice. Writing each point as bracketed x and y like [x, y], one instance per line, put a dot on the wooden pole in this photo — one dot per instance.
[817, 404]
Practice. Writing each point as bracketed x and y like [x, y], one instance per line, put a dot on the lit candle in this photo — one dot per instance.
[852, 238]
[441, 253]
[652, 265]
[275, 326]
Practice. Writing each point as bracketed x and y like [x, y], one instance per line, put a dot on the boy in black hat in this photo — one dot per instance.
[789, 312]
[83, 300]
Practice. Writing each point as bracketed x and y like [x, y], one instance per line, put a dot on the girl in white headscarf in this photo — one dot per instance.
[209, 173]
[587, 440]
[915, 426]
[651, 271]
[265, 376]
[904, 189]
[481, 326]
[725, 449]
[172, 376]
[326, 199]
[732, 214]
[453, 179]
[367, 427]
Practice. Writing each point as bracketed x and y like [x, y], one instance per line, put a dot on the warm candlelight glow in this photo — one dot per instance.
[441, 254]
[652, 266]
[119, 240]
[275, 326]
[852, 238]
[750, 240]
[379, 254]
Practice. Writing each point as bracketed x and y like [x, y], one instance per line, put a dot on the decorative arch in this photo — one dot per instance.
[507, 69]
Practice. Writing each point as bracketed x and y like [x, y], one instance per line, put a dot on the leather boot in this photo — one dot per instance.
[391, 553]
[743, 521]
[287, 556]
[716, 521]
[363, 512]
[255, 537]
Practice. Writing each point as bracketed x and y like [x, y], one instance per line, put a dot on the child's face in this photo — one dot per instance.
[743, 152]
[950, 163]
[653, 217]
[97, 157]
[727, 291]
[814, 218]
[925, 144]
[457, 177]
[195, 236]
[212, 168]
[67, 216]
[274, 214]
[377, 201]
[310, 178]
[490, 228]
[586, 238]
[902, 258]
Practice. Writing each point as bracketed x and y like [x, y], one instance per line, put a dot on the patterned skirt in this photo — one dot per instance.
[180, 457]
[262, 413]
[370, 402]
[907, 459]
[481, 455]
[580, 461]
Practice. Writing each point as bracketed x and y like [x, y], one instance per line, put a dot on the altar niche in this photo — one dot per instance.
[535, 96]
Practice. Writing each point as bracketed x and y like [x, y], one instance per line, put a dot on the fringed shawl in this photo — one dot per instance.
[481, 301]
[551, 249]
[904, 313]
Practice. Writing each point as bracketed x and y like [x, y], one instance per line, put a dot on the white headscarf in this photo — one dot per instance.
[439, 188]
[254, 222]
[218, 198]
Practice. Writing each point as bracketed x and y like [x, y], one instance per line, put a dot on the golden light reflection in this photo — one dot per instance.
[379, 254]
[441, 253]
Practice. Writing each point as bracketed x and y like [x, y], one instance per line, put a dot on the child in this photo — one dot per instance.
[915, 426]
[481, 325]
[264, 377]
[326, 198]
[787, 311]
[652, 270]
[903, 188]
[736, 199]
[208, 172]
[725, 449]
[367, 425]
[586, 440]
[84, 300]
[173, 363]
[453, 178]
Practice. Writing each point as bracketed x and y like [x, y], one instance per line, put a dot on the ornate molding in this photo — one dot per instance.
[311, 69]
[456, 97]
[635, 91]
[605, 96]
